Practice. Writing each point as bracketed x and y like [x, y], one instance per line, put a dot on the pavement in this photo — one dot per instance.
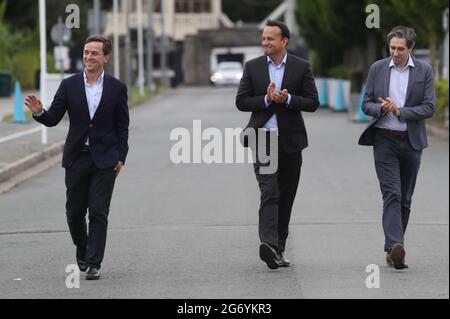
[21, 148]
[190, 230]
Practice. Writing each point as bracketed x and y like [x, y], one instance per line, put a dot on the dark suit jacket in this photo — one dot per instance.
[419, 104]
[298, 80]
[107, 131]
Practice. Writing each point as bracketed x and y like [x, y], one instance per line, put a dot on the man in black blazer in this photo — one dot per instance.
[276, 88]
[95, 150]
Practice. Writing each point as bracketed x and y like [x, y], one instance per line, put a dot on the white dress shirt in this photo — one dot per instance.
[398, 86]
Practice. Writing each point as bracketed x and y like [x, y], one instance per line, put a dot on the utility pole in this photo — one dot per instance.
[96, 20]
[445, 26]
[163, 48]
[116, 39]
[127, 46]
[140, 43]
[149, 34]
[43, 54]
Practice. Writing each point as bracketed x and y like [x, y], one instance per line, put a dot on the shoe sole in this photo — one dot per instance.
[268, 256]
[93, 278]
[398, 256]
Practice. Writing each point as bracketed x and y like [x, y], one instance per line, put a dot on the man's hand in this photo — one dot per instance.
[270, 92]
[33, 103]
[388, 105]
[281, 97]
[118, 167]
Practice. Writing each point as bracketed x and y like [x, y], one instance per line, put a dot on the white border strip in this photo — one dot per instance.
[20, 134]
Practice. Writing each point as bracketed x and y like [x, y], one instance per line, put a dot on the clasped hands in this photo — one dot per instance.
[388, 105]
[276, 96]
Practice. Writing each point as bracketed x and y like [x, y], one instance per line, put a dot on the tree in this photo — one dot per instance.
[330, 27]
[10, 42]
[426, 19]
[333, 27]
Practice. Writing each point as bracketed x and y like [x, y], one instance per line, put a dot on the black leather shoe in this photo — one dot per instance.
[269, 256]
[81, 255]
[92, 273]
[81, 265]
[282, 260]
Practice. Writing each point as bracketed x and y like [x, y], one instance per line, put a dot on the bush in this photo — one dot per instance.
[26, 64]
[346, 73]
[441, 87]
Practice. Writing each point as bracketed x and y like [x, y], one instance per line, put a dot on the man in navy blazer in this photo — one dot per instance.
[399, 96]
[276, 88]
[95, 150]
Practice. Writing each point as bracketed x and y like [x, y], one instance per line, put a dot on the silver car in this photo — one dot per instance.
[227, 73]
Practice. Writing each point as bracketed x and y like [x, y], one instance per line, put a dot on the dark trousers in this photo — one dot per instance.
[88, 187]
[278, 192]
[397, 166]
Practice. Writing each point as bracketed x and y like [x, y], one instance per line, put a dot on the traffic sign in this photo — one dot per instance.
[60, 33]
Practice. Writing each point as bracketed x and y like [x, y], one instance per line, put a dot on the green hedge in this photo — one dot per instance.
[346, 73]
[441, 87]
[26, 64]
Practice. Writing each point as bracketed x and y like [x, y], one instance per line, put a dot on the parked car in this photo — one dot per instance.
[227, 73]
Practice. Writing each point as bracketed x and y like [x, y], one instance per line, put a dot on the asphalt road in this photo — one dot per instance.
[190, 230]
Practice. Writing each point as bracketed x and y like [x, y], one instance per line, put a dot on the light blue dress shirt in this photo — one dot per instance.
[276, 73]
[398, 86]
[93, 95]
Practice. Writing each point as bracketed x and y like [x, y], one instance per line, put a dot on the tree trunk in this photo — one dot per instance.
[432, 45]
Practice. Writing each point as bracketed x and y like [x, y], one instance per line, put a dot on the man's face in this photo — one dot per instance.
[272, 41]
[399, 51]
[93, 57]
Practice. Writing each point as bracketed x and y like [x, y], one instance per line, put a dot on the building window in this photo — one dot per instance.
[192, 6]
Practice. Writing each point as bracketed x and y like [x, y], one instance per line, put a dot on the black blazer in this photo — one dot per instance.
[298, 80]
[107, 131]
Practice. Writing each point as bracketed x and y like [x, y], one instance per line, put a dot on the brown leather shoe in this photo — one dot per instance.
[282, 260]
[389, 261]
[396, 257]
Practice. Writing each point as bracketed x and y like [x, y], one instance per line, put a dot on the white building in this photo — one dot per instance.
[181, 17]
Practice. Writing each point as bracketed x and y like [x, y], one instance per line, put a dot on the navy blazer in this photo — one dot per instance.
[419, 104]
[108, 129]
[298, 80]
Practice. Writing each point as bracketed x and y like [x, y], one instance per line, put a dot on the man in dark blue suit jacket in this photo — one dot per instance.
[95, 150]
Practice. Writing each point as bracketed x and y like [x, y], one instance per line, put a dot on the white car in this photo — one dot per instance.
[227, 73]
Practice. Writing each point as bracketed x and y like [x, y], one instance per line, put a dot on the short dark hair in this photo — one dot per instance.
[404, 33]
[107, 45]
[285, 33]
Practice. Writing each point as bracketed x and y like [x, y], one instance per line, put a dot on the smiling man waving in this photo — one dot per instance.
[95, 150]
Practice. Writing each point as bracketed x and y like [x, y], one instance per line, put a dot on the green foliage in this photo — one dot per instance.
[19, 51]
[134, 98]
[441, 87]
[26, 65]
[442, 103]
[330, 27]
[346, 73]
[426, 19]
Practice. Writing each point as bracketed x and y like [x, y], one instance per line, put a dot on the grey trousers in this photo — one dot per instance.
[397, 166]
